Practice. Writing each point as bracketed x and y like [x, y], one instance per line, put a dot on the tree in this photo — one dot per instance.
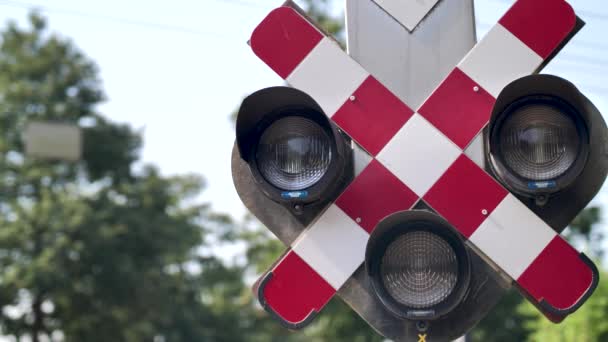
[587, 324]
[92, 251]
[319, 10]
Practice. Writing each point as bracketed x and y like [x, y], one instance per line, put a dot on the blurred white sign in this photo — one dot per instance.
[53, 141]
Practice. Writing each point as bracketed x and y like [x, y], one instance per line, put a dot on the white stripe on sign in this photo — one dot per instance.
[419, 154]
[328, 75]
[334, 246]
[498, 59]
[512, 236]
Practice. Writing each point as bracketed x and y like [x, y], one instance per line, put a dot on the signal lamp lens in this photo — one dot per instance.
[294, 153]
[539, 142]
[419, 269]
[538, 145]
[418, 265]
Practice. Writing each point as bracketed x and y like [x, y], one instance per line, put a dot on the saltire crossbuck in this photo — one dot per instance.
[418, 155]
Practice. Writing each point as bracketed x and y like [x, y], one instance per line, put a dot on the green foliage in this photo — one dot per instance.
[584, 229]
[92, 251]
[110, 158]
[587, 324]
[319, 11]
[585, 221]
[504, 323]
[515, 319]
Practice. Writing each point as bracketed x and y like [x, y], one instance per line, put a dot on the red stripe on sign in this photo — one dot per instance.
[373, 116]
[540, 24]
[459, 108]
[559, 276]
[375, 194]
[283, 39]
[465, 195]
[294, 290]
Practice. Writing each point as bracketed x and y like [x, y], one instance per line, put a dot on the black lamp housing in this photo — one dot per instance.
[265, 107]
[556, 201]
[398, 225]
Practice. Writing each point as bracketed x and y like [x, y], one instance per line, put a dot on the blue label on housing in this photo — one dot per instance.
[294, 194]
[542, 185]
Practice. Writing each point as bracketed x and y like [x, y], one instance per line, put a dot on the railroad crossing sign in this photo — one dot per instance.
[417, 156]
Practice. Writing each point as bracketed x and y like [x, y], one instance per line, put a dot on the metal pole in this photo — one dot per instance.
[412, 63]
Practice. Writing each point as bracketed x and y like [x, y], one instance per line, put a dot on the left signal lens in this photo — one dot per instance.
[296, 156]
[294, 153]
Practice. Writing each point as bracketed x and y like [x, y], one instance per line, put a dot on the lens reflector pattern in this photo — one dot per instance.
[539, 142]
[294, 153]
[419, 269]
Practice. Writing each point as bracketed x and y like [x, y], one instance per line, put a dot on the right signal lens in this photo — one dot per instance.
[538, 145]
[539, 142]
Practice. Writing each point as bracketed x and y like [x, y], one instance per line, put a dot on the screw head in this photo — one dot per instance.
[475, 88]
[484, 212]
[358, 220]
[422, 326]
[352, 98]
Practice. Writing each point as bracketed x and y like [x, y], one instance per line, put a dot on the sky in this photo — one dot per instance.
[176, 70]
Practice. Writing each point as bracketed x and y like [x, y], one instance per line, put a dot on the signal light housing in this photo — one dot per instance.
[296, 156]
[546, 143]
[418, 265]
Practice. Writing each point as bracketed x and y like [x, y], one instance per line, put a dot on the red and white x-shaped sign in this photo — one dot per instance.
[418, 155]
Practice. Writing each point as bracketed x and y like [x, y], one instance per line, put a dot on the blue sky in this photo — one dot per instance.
[180, 68]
